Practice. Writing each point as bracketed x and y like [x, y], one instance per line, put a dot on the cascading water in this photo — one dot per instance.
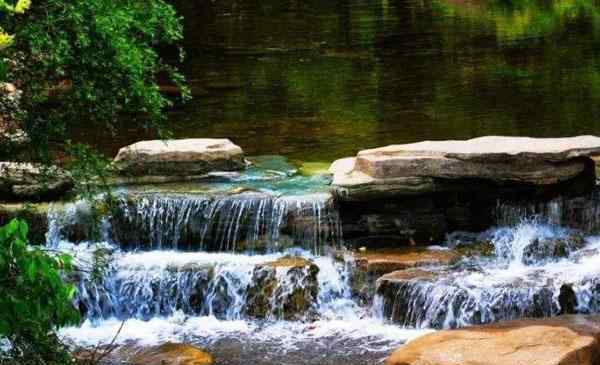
[253, 274]
[248, 221]
[166, 285]
[538, 270]
[579, 212]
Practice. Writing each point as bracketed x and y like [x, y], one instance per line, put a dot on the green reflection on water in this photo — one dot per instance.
[319, 80]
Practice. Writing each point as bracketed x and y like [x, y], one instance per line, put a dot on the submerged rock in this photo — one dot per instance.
[564, 340]
[286, 288]
[28, 181]
[171, 354]
[179, 157]
[427, 167]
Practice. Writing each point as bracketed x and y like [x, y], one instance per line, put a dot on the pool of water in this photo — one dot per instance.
[317, 80]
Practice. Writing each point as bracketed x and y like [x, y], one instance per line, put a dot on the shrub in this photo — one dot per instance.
[34, 299]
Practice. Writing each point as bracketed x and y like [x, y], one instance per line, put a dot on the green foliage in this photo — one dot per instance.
[34, 299]
[93, 62]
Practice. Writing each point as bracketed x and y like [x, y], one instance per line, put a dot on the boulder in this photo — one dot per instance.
[563, 340]
[172, 354]
[28, 181]
[435, 166]
[179, 158]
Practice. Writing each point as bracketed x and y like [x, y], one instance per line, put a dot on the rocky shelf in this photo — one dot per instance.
[424, 190]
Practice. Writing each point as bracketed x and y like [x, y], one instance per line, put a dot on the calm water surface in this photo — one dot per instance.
[318, 80]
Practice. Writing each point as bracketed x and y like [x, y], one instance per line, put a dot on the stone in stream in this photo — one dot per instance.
[422, 191]
[179, 158]
[384, 261]
[372, 264]
[425, 167]
[28, 181]
[286, 288]
[563, 340]
[166, 354]
[172, 354]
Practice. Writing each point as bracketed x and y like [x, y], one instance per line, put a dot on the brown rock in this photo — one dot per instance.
[423, 167]
[180, 157]
[172, 354]
[563, 340]
[388, 260]
[406, 275]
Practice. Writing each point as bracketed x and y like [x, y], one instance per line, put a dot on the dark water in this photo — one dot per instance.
[318, 80]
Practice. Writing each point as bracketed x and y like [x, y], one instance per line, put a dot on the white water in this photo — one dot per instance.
[129, 294]
[507, 286]
[202, 297]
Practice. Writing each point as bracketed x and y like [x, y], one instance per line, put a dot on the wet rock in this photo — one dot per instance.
[567, 299]
[563, 340]
[431, 166]
[180, 157]
[370, 265]
[286, 288]
[381, 262]
[543, 249]
[27, 181]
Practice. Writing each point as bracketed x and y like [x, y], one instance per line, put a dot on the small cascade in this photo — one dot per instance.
[582, 213]
[227, 286]
[248, 221]
[538, 270]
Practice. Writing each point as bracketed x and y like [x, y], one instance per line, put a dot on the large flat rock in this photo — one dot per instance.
[179, 157]
[563, 340]
[429, 166]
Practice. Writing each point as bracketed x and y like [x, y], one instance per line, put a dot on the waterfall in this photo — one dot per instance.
[538, 270]
[248, 221]
[227, 286]
[580, 212]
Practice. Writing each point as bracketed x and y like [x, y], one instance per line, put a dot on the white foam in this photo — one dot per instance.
[373, 333]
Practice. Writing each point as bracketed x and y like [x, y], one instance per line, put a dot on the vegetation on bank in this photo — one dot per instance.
[34, 299]
[92, 62]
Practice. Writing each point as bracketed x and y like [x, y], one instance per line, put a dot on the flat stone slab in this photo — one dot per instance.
[179, 157]
[424, 167]
[562, 340]
[28, 181]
